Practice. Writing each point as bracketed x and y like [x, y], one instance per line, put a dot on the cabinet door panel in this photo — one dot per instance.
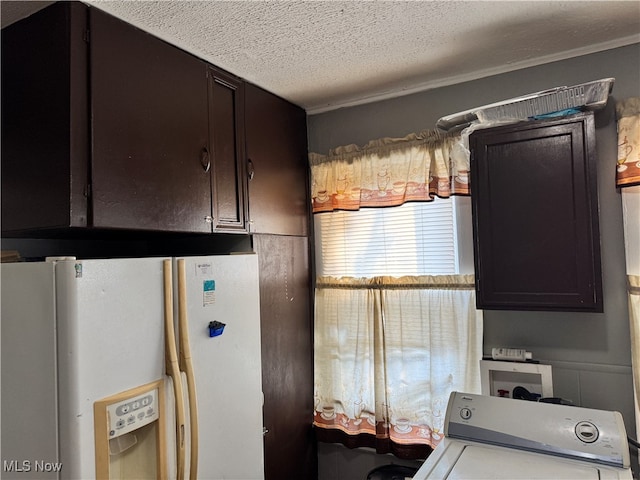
[535, 217]
[287, 357]
[277, 149]
[149, 114]
[226, 121]
[45, 124]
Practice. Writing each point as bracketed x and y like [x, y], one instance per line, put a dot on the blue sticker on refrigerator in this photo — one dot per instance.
[208, 292]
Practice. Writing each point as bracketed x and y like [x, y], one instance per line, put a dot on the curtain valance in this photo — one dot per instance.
[440, 282]
[389, 172]
[628, 169]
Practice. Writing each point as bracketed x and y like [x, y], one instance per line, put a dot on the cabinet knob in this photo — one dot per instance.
[250, 169]
[208, 219]
[204, 159]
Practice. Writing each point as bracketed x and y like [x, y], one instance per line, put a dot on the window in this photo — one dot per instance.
[421, 238]
[396, 328]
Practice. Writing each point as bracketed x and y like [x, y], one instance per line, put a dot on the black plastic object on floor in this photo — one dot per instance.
[391, 472]
[521, 393]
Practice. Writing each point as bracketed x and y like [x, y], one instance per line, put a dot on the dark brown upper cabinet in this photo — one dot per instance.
[276, 133]
[535, 216]
[106, 126]
[45, 120]
[150, 141]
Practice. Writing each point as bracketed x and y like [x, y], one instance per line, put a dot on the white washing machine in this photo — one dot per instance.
[501, 438]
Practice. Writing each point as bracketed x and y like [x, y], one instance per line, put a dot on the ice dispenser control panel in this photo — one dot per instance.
[133, 413]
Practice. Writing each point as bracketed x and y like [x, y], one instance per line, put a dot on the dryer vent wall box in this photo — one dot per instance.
[498, 379]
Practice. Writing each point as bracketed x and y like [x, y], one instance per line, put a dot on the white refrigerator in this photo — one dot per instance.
[86, 349]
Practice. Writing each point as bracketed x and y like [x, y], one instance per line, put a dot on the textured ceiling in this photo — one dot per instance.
[326, 54]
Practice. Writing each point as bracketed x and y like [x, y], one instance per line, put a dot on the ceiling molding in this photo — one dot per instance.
[445, 82]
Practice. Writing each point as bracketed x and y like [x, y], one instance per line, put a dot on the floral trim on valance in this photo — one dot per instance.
[628, 161]
[389, 172]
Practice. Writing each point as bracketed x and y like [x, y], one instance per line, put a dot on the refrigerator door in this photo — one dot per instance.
[110, 339]
[73, 332]
[227, 367]
[29, 390]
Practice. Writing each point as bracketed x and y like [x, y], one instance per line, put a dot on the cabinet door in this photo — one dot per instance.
[277, 153]
[45, 124]
[226, 123]
[287, 356]
[149, 131]
[535, 215]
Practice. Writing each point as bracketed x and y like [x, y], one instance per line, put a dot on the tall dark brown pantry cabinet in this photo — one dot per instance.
[279, 218]
[535, 216]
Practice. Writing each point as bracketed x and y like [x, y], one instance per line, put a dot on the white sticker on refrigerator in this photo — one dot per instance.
[208, 292]
[204, 269]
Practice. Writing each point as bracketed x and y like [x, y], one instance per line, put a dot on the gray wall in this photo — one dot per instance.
[590, 353]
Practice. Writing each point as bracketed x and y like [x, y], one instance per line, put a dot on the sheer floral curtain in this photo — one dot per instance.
[389, 350]
[628, 175]
[634, 317]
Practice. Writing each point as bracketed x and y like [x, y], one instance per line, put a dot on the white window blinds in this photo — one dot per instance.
[411, 239]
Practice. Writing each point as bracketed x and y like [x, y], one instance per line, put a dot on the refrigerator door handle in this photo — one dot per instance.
[173, 370]
[186, 365]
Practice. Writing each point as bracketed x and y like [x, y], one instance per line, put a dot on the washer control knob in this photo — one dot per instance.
[587, 432]
[465, 413]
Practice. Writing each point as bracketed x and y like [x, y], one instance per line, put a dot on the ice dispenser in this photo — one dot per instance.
[130, 434]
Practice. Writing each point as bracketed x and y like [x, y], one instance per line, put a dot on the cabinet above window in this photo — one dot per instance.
[535, 216]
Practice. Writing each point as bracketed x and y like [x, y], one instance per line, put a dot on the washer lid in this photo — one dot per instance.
[482, 462]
